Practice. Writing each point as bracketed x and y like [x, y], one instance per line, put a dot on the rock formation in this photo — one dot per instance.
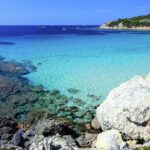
[110, 140]
[127, 109]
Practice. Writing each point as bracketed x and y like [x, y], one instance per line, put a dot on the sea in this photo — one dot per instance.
[83, 58]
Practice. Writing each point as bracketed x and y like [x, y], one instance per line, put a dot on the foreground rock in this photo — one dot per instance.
[8, 126]
[86, 140]
[127, 109]
[95, 124]
[110, 140]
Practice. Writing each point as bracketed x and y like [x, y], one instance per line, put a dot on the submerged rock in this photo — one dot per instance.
[127, 109]
[7, 43]
[8, 86]
[73, 90]
[94, 97]
[12, 68]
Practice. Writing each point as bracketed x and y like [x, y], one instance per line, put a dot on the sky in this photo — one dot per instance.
[69, 12]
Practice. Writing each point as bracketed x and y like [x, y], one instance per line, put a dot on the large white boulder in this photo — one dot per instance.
[127, 109]
[110, 140]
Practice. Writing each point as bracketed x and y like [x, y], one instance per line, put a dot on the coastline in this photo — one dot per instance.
[29, 113]
[32, 117]
[42, 129]
[105, 26]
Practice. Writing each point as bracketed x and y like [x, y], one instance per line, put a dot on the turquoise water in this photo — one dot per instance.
[94, 64]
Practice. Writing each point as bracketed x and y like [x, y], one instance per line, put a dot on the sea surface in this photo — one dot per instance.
[80, 57]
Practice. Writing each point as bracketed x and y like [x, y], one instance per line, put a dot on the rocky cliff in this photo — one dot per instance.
[135, 23]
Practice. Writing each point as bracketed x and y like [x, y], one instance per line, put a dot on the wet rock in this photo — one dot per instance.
[28, 134]
[88, 116]
[51, 127]
[74, 108]
[79, 114]
[17, 139]
[5, 130]
[86, 140]
[3, 142]
[95, 124]
[7, 125]
[33, 117]
[78, 120]
[8, 121]
[6, 137]
[8, 128]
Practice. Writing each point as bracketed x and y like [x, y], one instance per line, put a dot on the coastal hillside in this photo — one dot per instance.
[139, 22]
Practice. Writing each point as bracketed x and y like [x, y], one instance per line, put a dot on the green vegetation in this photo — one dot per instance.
[144, 148]
[139, 21]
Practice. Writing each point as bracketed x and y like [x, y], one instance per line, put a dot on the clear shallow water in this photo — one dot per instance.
[92, 63]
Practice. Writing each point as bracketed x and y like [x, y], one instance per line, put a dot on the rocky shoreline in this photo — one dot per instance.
[120, 26]
[23, 105]
[29, 117]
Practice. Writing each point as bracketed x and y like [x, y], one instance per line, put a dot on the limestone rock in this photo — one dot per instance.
[8, 126]
[41, 143]
[51, 127]
[86, 140]
[63, 143]
[127, 109]
[110, 140]
[95, 124]
[17, 139]
[132, 144]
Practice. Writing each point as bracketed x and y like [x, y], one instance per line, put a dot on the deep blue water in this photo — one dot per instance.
[80, 57]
